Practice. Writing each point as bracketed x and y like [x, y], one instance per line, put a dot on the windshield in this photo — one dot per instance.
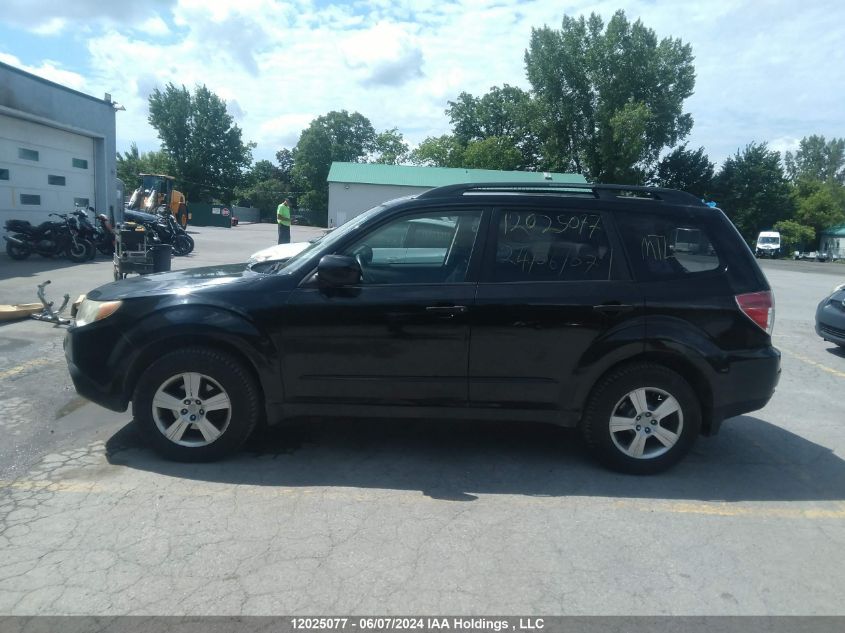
[768, 240]
[329, 240]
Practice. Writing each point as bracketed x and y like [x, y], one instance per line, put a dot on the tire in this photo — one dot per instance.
[17, 252]
[191, 242]
[216, 377]
[181, 245]
[92, 253]
[80, 251]
[660, 442]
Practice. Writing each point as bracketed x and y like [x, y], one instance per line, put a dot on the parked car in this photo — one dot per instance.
[566, 305]
[830, 316]
[278, 253]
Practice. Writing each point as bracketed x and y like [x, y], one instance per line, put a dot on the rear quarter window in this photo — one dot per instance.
[667, 246]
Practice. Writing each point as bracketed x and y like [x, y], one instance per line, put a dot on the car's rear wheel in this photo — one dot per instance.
[197, 404]
[641, 419]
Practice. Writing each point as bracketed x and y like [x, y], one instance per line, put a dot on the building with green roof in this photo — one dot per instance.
[356, 187]
[833, 241]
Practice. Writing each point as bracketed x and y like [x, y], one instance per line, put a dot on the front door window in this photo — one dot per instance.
[433, 247]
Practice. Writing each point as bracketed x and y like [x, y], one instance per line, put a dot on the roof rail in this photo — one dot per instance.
[602, 192]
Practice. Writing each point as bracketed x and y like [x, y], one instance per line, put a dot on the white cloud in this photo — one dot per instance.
[784, 144]
[386, 54]
[48, 70]
[51, 17]
[284, 130]
[765, 72]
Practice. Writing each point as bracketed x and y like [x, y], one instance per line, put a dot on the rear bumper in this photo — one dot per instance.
[747, 384]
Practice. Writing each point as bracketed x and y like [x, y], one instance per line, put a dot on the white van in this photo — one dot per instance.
[767, 244]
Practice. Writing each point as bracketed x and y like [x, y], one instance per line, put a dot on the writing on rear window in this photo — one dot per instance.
[537, 246]
[661, 247]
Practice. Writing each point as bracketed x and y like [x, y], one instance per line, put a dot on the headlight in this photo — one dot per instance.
[91, 311]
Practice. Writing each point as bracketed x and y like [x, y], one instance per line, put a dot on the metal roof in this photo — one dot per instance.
[404, 175]
[52, 84]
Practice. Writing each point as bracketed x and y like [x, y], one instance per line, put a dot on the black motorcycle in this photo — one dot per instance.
[165, 228]
[48, 239]
[101, 235]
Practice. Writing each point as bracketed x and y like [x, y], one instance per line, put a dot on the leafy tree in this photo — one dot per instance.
[264, 195]
[335, 136]
[610, 99]
[819, 204]
[507, 113]
[795, 235]
[202, 140]
[493, 152]
[686, 170]
[440, 151]
[264, 170]
[284, 157]
[817, 159]
[390, 147]
[133, 162]
[752, 189]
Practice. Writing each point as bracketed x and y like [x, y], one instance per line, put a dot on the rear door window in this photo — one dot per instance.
[667, 247]
[544, 245]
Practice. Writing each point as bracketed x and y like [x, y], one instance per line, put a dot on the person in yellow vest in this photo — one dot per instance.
[283, 218]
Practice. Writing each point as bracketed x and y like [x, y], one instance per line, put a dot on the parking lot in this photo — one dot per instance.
[435, 517]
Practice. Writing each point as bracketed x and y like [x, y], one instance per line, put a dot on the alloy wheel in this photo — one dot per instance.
[646, 423]
[191, 409]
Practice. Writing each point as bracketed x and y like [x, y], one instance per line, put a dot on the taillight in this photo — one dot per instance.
[759, 307]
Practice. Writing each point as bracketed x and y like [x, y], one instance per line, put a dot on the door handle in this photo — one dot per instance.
[446, 311]
[613, 308]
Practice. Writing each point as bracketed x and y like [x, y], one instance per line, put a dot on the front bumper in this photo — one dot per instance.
[830, 319]
[91, 376]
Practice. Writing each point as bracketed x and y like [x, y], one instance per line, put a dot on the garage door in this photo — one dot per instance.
[43, 169]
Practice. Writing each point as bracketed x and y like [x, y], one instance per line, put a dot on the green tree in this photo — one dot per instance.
[610, 99]
[335, 136]
[264, 195]
[795, 236]
[508, 114]
[202, 140]
[438, 151]
[686, 170]
[752, 189]
[818, 204]
[133, 162]
[264, 170]
[390, 147]
[817, 159]
[493, 152]
[284, 158]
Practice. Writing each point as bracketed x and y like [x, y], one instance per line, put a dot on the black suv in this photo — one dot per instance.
[637, 314]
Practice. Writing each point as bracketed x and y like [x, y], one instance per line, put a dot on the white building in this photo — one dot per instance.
[356, 187]
[57, 149]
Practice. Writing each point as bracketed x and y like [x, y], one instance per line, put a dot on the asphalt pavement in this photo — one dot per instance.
[333, 516]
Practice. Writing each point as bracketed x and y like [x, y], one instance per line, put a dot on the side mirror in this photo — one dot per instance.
[335, 271]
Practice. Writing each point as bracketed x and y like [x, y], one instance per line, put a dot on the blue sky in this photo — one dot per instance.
[766, 70]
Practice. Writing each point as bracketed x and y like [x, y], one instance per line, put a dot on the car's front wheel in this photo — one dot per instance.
[641, 419]
[197, 404]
